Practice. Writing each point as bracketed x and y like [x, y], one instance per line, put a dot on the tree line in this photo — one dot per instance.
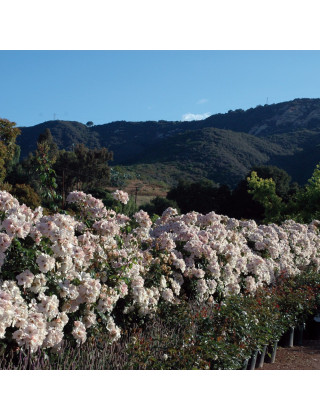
[266, 194]
[47, 175]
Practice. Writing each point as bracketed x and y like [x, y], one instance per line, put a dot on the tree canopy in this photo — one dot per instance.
[9, 150]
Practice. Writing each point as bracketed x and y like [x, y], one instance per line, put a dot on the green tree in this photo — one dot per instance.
[9, 150]
[83, 168]
[243, 205]
[264, 191]
[280, 177]
[303, 204]
[202, 196]
[27, 195]
[307, 203]
[93, 169]
[158, 205]
[43, 167]
[51, 145]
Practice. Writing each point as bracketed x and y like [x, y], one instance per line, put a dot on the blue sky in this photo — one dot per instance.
[105, 86]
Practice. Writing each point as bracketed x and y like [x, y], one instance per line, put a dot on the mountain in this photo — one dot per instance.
[65, 133]
[224, 156]
[270, 119]
[223, 147]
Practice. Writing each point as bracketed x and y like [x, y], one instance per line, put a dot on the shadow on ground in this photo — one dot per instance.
[305, 357]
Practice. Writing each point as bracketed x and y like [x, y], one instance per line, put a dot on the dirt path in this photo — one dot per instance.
[305, 357]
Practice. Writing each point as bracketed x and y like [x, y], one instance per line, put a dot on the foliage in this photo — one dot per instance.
[82, 168]
[302, 204]
[65, 133]
[158, 205]
[223, 148]
[264, 191]
[47, 141]
[308, 200]
[219, 155]
[9, 151]
[281, 179]
[46, 174]
[100, 271]
[202, 196]
[118, 176]
[243, 205]
[27, 195]
[296, 301]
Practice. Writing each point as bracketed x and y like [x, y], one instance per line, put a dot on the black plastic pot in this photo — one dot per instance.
[245, 364]
[261, 356]
[298, 335]
[272, 351]
[287, 339]
[253, 360]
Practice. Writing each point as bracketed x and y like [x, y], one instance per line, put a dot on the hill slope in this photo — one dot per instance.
[270, 119]
[284, 134]
[65, 133]
[226, 156]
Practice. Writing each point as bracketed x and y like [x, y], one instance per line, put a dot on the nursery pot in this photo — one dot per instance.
[253, 360]
[261, 356]
[291, 336]
[273, 350]
[245, 364]
[287, 338]
[298, 336]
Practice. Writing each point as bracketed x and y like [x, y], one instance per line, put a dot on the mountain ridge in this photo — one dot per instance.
[271, 134]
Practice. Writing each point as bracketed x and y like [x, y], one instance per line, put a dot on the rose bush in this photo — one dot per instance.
[69, 277]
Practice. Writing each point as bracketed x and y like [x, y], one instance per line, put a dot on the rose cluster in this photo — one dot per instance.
[64, 277]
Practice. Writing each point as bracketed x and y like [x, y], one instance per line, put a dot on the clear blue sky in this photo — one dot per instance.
[105, 86]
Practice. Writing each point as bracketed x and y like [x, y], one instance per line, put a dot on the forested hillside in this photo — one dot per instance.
[222, 147]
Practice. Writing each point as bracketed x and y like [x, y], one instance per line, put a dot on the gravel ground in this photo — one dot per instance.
[305, 357]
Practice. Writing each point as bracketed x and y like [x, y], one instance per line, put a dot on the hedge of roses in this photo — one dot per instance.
[191, 335]
[66, 277]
